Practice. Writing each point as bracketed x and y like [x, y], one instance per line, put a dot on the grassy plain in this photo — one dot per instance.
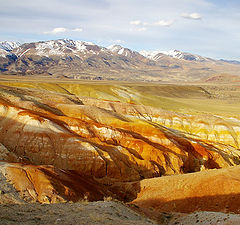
[194, 98]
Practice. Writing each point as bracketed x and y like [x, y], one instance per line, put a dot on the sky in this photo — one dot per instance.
[209, 28]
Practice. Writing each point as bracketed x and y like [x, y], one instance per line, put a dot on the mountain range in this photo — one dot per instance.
[85, 60]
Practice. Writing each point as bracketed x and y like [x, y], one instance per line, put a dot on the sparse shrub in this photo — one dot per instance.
[107, 198]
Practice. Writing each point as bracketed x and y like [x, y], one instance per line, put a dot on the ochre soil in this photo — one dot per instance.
[57, 147]
[213, 190]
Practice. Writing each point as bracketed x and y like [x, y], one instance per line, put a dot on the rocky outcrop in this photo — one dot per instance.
[205, 127]
[109, 140]
[84, 142]
[46, 184]
[213, 190]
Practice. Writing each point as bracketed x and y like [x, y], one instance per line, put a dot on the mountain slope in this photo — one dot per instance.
[156, 55]
[125, 51]
[73, 59]
[62, 47]
[108, 139]
[9, 45]
[213, 190]
[84, 60]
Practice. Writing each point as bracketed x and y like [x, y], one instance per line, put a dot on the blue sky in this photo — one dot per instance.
[206, 27]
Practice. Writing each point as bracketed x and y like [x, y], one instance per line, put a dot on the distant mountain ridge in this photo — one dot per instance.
[230, 61]
[62, 47]
[156, 55]
[59, 47]
[86, 60]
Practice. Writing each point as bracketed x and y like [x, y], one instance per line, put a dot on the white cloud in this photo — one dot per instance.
[77, 29]
[139, 26]
[118, 41]
[136, 22]
[192, 16]
[163, 23]
[56, 30]
[59, 30]
[142, 25]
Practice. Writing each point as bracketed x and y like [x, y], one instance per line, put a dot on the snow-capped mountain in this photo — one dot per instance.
[9, 45]
[122, 51]
[6, 56]
[85, 60]
[6, 48]
[4, 53]
[157, 55]
[59, 47]
[72, 57]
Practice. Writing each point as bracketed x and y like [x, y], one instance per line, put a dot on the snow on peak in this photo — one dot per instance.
[120, 50]
[114, 48]
[155, 55]
[3, 53]
[62, 46]
[173, 53]
[9, 45]
[149, 54]
[184, 55]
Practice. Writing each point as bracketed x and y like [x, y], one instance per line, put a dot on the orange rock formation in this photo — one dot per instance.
[47, 184]
[108, 140]
[57, 146]
[213, 190]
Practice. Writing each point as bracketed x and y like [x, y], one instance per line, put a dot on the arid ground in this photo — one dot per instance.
[108, 152]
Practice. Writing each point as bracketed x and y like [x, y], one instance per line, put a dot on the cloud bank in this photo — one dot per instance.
[164, 23]
[142, 26]
[56, 30]
[192, 16]
[59, 30]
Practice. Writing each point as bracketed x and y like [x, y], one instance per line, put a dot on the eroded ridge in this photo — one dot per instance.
[110, 140]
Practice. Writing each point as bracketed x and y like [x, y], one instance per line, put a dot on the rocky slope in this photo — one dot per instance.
[111, 140]
[46, 184]
[157, 55]
[213, 190]
[84, 60]
[159, 198]
[9, 45]
[99, 213]
[65, 142]
[74, 59]
[96, 213]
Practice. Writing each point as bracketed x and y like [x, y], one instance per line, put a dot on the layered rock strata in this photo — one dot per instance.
[46, 184]
[109, 140]
[213, 190]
